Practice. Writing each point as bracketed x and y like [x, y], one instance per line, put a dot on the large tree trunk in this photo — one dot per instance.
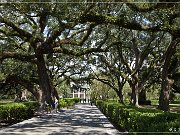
[36, 92]
[142, 95]
[166, 82]
[165, 93]
[45, 82]
[119, 91]
[55, 93]
[135, 93]
[120, 95]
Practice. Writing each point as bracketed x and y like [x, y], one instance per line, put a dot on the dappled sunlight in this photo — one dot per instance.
[82, 120]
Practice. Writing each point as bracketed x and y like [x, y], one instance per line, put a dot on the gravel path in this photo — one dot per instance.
[81, 120]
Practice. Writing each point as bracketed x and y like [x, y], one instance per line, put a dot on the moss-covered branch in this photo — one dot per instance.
[78, 53]
[22, 33]
[18, 56]
[147, 7]
[15, 79]
[125, 23]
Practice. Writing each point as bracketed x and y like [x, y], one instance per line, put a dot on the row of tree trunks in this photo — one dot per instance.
[166, 84]
[120, 95]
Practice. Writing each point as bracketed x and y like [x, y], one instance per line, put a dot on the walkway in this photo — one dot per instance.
[81, 120]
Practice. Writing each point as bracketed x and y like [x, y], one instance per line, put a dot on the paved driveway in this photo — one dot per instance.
[81, 120]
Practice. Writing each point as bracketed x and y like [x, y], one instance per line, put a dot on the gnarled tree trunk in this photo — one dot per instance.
[44, 81]
[142, 95]
[166, 82]
[135, 93]
[119, 91]
[165, 93]
[120, 95]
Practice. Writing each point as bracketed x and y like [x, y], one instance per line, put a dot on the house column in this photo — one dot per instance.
[79, 93]
[84, 95]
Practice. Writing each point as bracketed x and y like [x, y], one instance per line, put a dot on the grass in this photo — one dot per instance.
[5, 101]
[174, 105]
[154, 102]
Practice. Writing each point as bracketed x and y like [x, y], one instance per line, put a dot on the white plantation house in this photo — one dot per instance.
[80, 90]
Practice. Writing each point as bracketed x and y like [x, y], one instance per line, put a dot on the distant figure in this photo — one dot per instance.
[56, 105]
[91, 102]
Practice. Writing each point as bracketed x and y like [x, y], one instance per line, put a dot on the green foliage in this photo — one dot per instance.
[65, 102]
[69, 101]
[134, 119]
[62, 103]
[27, 29]
[76, 100]
[100, 90]
[32, 106]
[14, 112]
[63, 88]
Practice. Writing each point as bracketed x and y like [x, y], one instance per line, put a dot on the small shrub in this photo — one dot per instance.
[62, 103]
[70, 101]
[76, 100]
[65, 102]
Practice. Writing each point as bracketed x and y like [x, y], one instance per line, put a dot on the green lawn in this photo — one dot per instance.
[174, 105]
[5, 101]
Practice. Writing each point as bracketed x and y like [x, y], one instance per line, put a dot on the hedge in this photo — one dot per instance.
[134, 119]
[65, 102]
[15, 112]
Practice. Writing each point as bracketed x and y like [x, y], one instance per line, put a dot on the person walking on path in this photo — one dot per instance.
[91, 102]
[56, 105]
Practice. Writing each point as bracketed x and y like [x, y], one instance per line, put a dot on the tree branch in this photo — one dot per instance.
[29, 85]
[22, 33]
[78, 53]
[107, 82]
[125, 23]
[18, 56]
[155, 6]
[89, 31]
[65, 41]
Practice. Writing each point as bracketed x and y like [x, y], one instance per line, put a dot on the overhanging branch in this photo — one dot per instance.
[125, 23]
[22, 33]
[15, 79]
[18, 56]
[79, 53]
[154, 6]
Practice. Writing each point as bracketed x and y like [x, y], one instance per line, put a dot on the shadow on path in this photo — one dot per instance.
[82, 120]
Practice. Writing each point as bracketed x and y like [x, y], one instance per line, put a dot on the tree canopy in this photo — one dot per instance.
[132, 39]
